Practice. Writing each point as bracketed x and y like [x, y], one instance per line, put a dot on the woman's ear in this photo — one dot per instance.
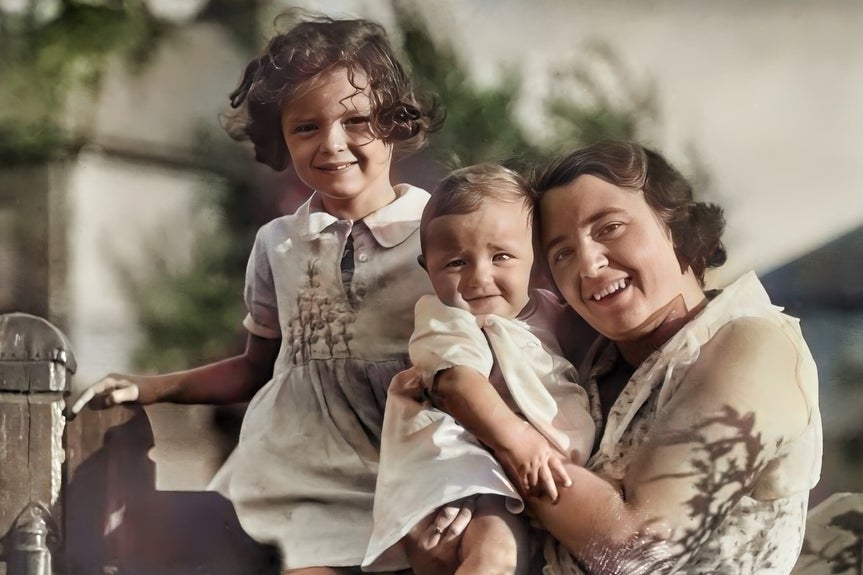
[421, 261]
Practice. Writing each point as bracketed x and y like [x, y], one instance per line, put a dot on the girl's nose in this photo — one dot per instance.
[334, 138]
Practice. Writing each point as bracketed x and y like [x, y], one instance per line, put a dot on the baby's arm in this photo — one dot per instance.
[228, 381]
[526, 455]
[449, 347]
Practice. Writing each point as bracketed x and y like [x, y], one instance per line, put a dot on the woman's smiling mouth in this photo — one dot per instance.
[610, 289]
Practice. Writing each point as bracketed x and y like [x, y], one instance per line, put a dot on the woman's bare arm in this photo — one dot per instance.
[709, 444]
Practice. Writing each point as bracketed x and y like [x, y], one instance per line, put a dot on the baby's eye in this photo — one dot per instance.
[455, 263]
[502, 257]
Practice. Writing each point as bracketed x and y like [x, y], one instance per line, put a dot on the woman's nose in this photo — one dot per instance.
[592, 259]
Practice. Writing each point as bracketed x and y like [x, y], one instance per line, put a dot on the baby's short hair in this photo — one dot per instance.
[464, 190]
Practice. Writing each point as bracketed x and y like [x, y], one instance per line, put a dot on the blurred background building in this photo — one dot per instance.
[126, 213]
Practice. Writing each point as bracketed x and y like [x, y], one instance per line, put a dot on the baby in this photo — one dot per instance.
[498, 408]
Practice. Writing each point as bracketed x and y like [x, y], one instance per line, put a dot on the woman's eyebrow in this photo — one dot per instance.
[588, 221]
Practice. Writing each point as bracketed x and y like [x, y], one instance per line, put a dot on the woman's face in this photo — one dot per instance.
[613, 259]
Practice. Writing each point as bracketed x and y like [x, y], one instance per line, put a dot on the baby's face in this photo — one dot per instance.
[481, 262]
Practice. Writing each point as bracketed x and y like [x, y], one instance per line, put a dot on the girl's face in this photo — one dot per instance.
[326, 129]
[481, 261]
[613, 259]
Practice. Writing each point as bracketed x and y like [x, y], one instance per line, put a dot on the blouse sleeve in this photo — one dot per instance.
[262, 318]
[445, 337]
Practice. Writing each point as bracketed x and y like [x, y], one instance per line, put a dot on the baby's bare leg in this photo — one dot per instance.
[496, 542]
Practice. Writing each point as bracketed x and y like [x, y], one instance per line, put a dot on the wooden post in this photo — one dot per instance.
[36, 366]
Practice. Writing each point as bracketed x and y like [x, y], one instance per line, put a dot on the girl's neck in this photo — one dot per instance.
[360, 206]
[674, 317]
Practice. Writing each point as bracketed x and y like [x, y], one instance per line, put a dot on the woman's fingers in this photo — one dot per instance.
[461, 520]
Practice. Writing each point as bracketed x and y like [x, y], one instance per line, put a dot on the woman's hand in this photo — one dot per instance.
[111, 390]
[532, 463]
[432, 546]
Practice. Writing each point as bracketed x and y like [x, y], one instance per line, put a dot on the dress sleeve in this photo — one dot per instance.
[262, 318]
[445, 337]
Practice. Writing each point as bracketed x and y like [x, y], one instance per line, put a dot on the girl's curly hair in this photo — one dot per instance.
[317, 45]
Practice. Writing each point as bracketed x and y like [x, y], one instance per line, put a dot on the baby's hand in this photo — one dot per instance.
[108, 391]
[533, 464]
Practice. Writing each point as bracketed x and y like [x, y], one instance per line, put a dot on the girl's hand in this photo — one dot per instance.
[533, 464]
[108, 391]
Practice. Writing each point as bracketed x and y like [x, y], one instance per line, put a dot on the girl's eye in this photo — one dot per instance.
[501, 257]
[304, 128]
[454, 264]
[357, 121]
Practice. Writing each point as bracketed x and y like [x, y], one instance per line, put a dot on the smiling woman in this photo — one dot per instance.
[710, 435]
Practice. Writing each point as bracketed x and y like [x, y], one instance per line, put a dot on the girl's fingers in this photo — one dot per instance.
[123, 395]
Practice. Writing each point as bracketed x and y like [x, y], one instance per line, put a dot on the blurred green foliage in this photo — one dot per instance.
[43, 62]
[190, 314]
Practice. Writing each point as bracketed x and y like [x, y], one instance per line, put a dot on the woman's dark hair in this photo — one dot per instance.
[317, 45]
[696, 227]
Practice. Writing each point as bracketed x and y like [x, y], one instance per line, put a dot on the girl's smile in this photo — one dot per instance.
[332, 147]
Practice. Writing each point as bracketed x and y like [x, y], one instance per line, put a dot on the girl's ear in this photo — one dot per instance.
[421, 261]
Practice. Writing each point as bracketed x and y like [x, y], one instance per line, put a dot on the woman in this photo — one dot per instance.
[710, 434]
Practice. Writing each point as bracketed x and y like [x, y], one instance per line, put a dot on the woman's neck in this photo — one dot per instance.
[674, 316]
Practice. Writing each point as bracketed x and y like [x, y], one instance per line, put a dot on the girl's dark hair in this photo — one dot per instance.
[316, 45]
[463, 191]
[696, 227]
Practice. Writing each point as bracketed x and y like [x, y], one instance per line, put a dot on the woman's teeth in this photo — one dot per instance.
[610, 289]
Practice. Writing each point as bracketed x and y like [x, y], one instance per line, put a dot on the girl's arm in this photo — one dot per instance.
[526, 455]
[231, 380]
[707, 448]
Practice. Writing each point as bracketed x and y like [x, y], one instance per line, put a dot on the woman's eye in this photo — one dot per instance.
[561, 255]
[610, 229]
[304, 128]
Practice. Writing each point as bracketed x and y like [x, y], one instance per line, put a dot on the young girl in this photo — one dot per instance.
[487, 356]
[330, 292]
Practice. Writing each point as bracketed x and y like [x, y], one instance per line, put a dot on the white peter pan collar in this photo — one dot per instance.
[390, 225]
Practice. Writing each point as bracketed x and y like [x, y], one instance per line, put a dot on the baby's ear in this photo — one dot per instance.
[421, 261]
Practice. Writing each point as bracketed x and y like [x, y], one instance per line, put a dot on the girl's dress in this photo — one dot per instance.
[303, 474]
[427, 458]
[763, 532]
